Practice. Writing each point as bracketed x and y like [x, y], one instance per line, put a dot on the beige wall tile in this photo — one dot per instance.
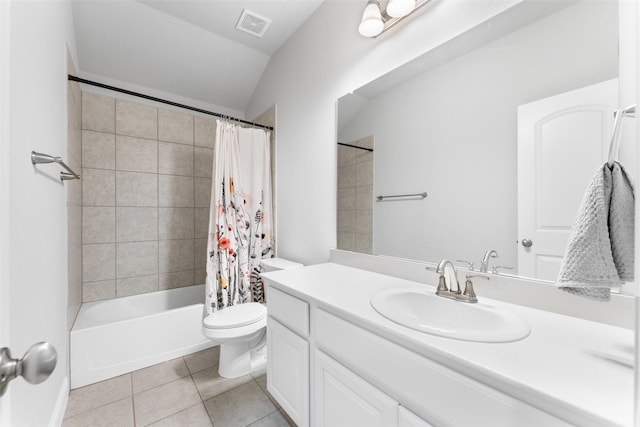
[136, 224]
[347, 176]
[200, 276]
[346, 220]
[203, 162]
[201, 226]
[205, 131]
[136, 154]
[96, 291]
[176, 255]
[346, 156]
[346, 241]
[175, 127]
[175, 191]
[98, 112]
[346, 198]
[74, 186]
[98, 187]
[364, 221]
[175, 159]
[135, 119]
[202, 192]
[364, 197]
[98, 224]
[200, 253]
[364, 243]
[98, 262]
[176, 279]
[136, 285]
[136, 189]
[364, 173]
[98, 150]
[136, 259]
[175, 223]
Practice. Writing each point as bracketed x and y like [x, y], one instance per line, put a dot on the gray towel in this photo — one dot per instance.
[600, 249]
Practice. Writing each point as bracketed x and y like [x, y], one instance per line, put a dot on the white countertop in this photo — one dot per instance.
[568, 367]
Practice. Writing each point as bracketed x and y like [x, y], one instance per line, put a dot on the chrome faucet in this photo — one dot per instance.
[447, 292]
[443, 290]
[484, 265]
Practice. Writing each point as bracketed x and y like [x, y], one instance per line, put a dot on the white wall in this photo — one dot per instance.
[452, 132]
[324, 60]
[36, 212]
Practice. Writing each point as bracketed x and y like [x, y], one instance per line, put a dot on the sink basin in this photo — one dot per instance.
[426, 312]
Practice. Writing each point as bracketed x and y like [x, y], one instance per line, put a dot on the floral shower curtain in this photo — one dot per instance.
[240, 217]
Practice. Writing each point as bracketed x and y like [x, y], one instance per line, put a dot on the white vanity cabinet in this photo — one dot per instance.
[343, 399]
[288, 354]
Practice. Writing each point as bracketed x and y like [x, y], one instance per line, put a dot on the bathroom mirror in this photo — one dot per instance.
[447, 124]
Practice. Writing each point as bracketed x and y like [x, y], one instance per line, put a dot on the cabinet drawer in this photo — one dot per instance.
[436, 393]
[288, 310]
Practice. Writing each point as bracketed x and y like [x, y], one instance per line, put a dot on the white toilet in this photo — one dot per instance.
[241, 331]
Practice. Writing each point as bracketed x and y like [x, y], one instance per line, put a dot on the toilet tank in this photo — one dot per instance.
[274, 264]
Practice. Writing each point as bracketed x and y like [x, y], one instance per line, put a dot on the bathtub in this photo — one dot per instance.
[113, 337]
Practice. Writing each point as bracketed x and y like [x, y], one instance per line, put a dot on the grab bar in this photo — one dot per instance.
[614, 146]
[37, 158]
[421, 195]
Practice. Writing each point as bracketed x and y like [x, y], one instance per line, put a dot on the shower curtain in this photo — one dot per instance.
[240, 216]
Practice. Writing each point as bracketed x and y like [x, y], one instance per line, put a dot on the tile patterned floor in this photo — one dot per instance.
[184, 392]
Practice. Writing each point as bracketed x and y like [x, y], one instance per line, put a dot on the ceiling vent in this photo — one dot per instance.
[253, 23]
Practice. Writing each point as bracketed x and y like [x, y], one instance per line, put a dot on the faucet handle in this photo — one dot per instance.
[470, 268]
[469, 293]
[495, 268]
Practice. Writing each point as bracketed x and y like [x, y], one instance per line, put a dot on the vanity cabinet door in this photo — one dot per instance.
[343, 399]
[288, 371]
[407, 418]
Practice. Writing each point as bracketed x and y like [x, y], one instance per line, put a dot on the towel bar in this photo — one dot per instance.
[421, 195]
[37, 158]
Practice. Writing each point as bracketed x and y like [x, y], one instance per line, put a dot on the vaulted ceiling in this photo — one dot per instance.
[186, 47]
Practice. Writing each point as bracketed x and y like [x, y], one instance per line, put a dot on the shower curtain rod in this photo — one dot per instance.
[355, 146]
[164, 101]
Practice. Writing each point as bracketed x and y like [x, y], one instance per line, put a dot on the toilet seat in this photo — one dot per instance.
[236, 316]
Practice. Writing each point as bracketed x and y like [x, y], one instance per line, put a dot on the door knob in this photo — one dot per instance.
[35, 366]
[527, 243]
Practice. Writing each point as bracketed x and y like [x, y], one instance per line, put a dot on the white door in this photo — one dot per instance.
[561, 142]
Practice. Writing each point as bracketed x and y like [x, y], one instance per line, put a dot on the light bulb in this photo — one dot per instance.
[400, 8]
[371, 24]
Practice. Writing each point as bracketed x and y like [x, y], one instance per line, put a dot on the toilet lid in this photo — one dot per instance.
[236, 316]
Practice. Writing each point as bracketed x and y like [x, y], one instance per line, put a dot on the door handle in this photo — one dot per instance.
[35, 366]
[527, 243]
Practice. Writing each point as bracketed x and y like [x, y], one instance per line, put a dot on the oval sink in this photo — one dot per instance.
[426, 312]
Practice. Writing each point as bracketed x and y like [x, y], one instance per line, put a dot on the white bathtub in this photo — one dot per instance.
[113, 337]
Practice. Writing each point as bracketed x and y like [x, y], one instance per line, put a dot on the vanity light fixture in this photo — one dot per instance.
[375, 20]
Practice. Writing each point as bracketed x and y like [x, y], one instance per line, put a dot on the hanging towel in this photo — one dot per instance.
[600, 249]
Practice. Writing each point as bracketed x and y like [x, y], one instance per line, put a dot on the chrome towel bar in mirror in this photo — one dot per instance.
[37, 158]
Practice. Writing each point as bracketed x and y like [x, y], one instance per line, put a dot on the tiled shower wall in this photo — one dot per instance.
[146, 190]
[355, 197]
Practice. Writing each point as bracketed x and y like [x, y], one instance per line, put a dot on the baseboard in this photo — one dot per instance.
[61, 404]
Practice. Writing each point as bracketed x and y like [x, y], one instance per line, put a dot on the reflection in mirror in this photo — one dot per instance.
[503, 127]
